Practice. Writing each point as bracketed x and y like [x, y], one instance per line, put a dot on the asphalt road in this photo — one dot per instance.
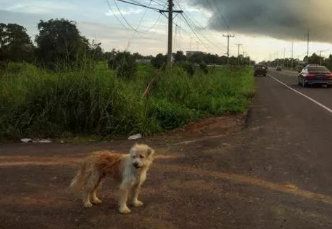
[321, 94]
[298, 128]
[270, 169]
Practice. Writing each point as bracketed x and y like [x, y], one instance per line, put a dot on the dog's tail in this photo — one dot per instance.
[77, 183]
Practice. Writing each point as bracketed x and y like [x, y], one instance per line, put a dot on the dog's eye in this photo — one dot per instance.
[141, 156]
[134, 156]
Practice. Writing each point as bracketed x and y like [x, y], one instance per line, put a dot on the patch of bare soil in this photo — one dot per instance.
[190, 185]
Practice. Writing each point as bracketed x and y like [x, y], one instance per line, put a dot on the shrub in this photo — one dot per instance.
[189, 68]
[203, 67]
[159, 61]
[170, 115]
[124, 63]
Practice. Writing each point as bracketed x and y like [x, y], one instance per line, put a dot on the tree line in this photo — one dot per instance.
[297, 63]
[60, 45]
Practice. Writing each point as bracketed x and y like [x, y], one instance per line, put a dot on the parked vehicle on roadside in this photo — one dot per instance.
[260, 70]
[314, 74]
[278, 68]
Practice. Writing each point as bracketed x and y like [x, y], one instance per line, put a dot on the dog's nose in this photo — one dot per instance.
[136, 165]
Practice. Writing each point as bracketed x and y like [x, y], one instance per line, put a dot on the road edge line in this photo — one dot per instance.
[305, 96]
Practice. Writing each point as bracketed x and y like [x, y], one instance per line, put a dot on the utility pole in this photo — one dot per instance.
[292, 54]
[170, 12]
[292, 49]
[228, 36]
[244, 56]
[284, 57]
[238, 53]
[308, 41]
[320, 56]
[170, 32]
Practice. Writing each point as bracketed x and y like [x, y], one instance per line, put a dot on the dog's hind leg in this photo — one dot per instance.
[90, 186]
[93, 197]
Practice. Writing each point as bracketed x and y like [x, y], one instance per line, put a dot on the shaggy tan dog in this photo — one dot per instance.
[128, 170]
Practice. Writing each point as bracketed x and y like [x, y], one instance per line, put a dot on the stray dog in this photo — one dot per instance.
[128, 170]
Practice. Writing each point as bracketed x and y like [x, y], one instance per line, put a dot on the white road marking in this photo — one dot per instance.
[305, 96]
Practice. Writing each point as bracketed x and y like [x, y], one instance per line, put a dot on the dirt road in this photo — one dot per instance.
[270, 170]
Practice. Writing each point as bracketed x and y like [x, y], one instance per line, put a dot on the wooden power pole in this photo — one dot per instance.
[228, 36]
[238, 53]
[170, 32]
[170, 12]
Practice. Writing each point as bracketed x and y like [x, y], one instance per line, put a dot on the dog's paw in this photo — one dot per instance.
[88, 205]
[137, 203]
[124, 210]
[96, 201]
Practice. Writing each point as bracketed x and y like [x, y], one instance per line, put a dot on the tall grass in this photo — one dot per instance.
[38, 103]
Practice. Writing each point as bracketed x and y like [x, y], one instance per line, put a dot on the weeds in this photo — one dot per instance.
[38, 103]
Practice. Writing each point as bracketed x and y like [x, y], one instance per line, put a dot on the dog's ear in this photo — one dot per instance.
[132, 149]
[150, 152]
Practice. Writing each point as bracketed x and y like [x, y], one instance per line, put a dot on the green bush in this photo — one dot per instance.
[170, 115]
[124, 63]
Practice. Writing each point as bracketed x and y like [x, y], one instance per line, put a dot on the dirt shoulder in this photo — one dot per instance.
[210, 174]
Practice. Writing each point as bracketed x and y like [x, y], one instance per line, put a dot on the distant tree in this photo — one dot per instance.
[60, 43]
[159, 61]
[15, 43]
[96, 51]
[315, 59]
[179, 57]
[196, 58]
[109, 55]
[328, 62]
[138, 56]
[124, 63]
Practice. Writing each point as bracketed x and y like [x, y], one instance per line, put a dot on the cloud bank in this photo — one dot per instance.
[281, 19]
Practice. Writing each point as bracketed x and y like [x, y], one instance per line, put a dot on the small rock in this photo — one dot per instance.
[26, 140]
[134, 137]
[44, 141]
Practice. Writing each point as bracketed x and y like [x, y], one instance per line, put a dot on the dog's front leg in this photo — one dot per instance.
[123, 208]
[134, 194]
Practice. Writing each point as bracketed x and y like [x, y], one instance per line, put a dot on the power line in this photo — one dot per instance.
[139, 4]
[114, 14]
[159, 3]
[215, 46]
[199, 29]
[138, 25]
[194, 32]
[170, 12]
[193, 24]
[123, 16]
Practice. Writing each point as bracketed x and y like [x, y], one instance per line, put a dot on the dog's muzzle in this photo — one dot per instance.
[136, 165]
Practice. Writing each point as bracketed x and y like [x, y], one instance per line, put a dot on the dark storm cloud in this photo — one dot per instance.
[283, 19]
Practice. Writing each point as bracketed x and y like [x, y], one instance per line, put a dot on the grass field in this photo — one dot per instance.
[38, 103]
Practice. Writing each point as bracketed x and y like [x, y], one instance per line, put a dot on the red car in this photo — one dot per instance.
[315, 74]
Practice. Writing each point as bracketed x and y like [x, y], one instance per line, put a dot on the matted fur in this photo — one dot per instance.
[128, 170]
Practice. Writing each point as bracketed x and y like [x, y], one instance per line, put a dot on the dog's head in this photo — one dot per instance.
[141, 155]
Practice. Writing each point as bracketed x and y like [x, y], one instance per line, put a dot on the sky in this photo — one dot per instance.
[266, 29]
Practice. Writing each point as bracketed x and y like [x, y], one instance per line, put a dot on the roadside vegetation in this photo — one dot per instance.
[297, 64]
[77, 89]
[37, 102]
